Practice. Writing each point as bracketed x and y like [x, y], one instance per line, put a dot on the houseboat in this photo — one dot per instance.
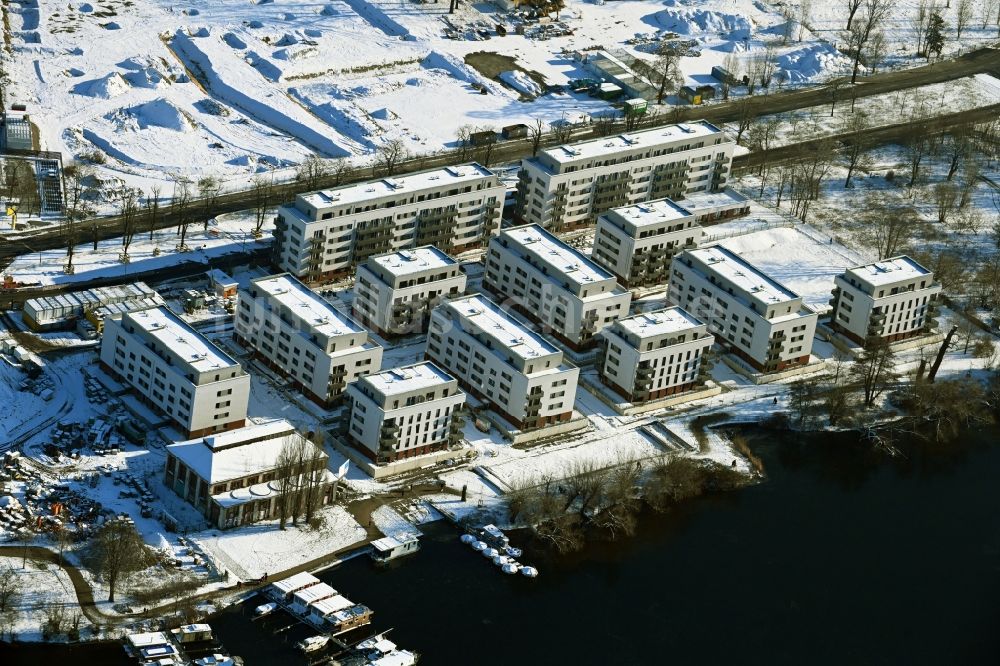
[387, 549]
[283, 590]
[153, 648]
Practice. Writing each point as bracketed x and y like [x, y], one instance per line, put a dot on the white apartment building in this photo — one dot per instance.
[325, 234]
[636, 243]
[299, 334]
[758, 319]
[501, 361]
[569, 186]
[554, 284]
[891, 299]
[404, 412]
[394, 293]
[176, 370]
[655, 354]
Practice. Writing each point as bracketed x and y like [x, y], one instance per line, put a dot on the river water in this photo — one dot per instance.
[841, 556]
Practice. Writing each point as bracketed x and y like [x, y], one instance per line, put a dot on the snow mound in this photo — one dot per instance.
[255, 24]
[700, 21]
[106, 87]
[86, 8]
[810, 62]
[200, 32]
[384, 114]
[521, 82]
[74, 72]
[234, 41]
[111, 25]
[313, 32]
[191, 11]
[157, 113]
[147, 77]
[293, 54]
[287, 39]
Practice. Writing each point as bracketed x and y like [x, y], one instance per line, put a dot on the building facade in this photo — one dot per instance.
[569, 186]
[299, 334]
[176, 370]
[636, 243]
[404, 412]
[240, 477]
[893, 299]
[758, 319]
[554, 284]
[501, 361]
[655, 354]
[394, 293]
[325, 234]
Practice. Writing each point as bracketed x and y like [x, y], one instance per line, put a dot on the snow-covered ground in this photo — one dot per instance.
[42, 591]
[226, 234]
[252, 551]
[233, 88]
[828, 20]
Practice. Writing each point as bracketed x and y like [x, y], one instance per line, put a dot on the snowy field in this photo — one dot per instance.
[252, 551]
[226, 234]
[233, 88]
[828, 20]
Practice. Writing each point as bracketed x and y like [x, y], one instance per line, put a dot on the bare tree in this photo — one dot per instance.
[988, 9]
[76, 191]
[120, 552]
[805, 15]
[152, 206]
[874, 370]
[964, 10]
[262, 194]
[10, 588]
[389, 155]
[667, 71]
[181, 204]
[916, 148]
[919, 23]
[858, 145]
[747, 112]
[128, 214]
[536, 132]
[861, 31]
[886, 227]
[209, 188]
[311, 172]
[731, 63]
[945, 200]
[876, 52]
[463, 139]
[486, 148]
[852, 9]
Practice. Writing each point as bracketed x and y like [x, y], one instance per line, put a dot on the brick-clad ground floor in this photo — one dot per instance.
[527, 424]
[895, 337]
[188, 434]
[653, 395]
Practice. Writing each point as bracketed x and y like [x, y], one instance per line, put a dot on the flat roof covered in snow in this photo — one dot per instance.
[888, 271]
[631, 140]
[416, 260]
[295, 582]
[743, 275]
[651, 212]
[307, 305]
[508, 333]
[409, 378]
[660, 322]
[177, 336]
[236, 453]
[433, 179]
[702, 200]
[548, 250]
